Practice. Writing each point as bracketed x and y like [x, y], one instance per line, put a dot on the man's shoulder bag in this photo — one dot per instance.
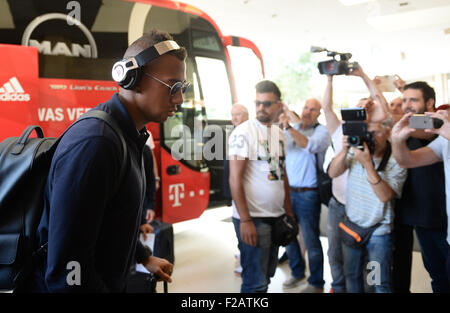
[284, 230]
[353, 235]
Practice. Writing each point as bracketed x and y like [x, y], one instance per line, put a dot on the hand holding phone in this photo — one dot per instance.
[422, 121]
[386, 83]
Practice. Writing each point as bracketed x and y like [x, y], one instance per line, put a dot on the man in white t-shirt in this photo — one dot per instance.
[259, 187]
[436, 151]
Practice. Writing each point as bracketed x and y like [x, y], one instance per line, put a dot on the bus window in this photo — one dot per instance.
[206, 41]
[183, 132]
[247, 73]
[215, 87]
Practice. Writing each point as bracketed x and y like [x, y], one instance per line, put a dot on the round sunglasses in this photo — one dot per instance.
[175, 87]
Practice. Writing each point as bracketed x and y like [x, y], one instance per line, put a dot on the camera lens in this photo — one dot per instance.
[353, 140]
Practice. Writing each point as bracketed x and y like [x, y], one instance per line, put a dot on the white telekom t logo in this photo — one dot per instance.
[178, 193]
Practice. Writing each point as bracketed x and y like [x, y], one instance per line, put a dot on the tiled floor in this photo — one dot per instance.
[205, 251]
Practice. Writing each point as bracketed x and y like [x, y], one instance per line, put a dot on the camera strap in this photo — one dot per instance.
[385, 159]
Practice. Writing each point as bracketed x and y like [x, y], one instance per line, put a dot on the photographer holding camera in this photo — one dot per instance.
[336, 206]
[422, 206]
[374, 180]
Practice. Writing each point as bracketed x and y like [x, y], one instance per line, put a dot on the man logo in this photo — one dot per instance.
[60, 48]
[13, 91]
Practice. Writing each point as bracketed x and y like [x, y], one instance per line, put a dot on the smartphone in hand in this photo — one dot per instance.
[422, 121]
[386, 83]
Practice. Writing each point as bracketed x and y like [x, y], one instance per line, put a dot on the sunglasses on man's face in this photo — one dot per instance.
[266, 104]
[175, 87]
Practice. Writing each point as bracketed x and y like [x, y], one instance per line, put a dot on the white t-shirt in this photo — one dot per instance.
[339, 184]
[265, 149]
[441, 148]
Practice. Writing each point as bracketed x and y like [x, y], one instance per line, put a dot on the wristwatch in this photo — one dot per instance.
[158, 178]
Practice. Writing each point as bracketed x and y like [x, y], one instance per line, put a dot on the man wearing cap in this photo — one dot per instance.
[90, 226]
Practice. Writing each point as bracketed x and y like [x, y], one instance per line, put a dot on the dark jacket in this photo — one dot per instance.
[423, 196]
[149, 200]
[150, 191]
[85, 219]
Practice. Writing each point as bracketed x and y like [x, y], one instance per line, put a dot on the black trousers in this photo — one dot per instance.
[434, 248]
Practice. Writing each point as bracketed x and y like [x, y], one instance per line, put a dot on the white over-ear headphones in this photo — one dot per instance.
[127, 72]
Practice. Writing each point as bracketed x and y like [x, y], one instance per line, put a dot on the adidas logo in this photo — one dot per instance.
[13, 91]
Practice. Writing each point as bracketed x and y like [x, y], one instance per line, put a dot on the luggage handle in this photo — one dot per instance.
[18, 148]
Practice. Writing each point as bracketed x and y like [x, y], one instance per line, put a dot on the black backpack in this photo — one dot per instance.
[24, 166]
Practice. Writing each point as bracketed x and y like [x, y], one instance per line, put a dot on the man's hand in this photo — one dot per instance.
[150, 216]
[399, 83]
[358, 71]
[444, 130]
[160, 267]
[291, 116]
[248, 233]
[363, 156]
[345, 144]
[146, 229]
[284, 120]
[401, 130]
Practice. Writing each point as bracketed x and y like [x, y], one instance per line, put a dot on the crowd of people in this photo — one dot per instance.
[396, 187]
[388, 187]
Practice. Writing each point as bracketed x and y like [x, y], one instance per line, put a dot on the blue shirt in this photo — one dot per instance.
[85, 219]
[301, 162]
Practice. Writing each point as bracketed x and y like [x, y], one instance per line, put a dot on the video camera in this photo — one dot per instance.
[355, 128]
[333, 66]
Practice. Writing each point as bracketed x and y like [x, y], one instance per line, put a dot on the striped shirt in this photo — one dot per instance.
[363, 206]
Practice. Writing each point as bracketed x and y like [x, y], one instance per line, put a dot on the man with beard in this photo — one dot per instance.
[422, 206]
[259, 186]
[306, 141]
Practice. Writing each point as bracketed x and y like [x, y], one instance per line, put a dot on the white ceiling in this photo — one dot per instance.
[406, 37]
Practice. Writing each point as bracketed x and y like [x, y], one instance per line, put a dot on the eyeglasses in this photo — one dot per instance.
[175, 87]
[266, 104]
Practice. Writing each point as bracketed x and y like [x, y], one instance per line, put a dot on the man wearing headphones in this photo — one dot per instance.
[92, 214]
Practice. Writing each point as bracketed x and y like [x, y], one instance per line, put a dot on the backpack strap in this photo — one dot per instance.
[108, 119]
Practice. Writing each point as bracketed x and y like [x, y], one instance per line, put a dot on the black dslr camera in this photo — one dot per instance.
[333, 66]
[355, 128]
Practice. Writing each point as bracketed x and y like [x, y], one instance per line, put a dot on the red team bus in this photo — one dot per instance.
[56, 65]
